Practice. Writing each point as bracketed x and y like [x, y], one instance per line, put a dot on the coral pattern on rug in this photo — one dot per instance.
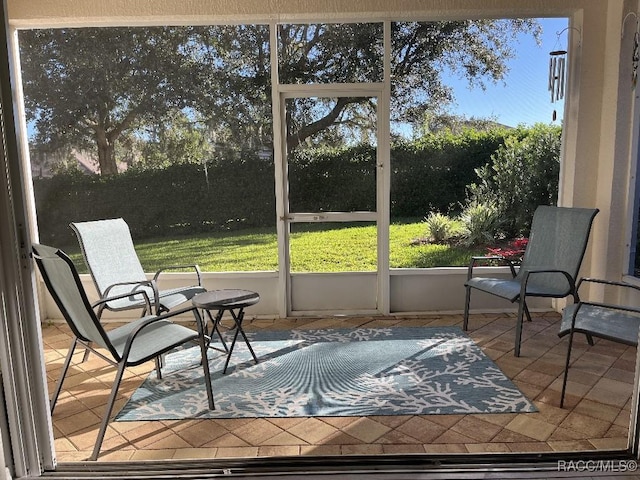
[345, 372]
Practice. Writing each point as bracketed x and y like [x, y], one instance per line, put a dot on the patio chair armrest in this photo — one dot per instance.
[499, 258]
[602, 281]
[195, 267]
[614, 283]
[157, 318]
[125, 295]
[148, 283]
[570, 280]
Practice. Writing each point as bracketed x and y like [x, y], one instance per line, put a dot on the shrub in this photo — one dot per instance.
[439, 227]
[481, 224]
[523, 174]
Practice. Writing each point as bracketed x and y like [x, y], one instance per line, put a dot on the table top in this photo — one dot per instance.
[225, 297]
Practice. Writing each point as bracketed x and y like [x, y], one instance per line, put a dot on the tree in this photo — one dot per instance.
[176, 139]
[349, 53]
[94, 86]
[88, 87]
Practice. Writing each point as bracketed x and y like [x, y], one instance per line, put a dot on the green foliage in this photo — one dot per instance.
[89, 87]
[439, 227]
[333, 179]
[170, 202]
[481, 224]
[95, 88]
[432, 173]
[176, 140]
[523, 173]
[233, 192]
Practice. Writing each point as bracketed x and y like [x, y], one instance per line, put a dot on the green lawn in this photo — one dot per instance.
[314, 248]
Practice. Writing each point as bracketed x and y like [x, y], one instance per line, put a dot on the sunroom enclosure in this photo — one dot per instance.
[598, 169]
[382, 288]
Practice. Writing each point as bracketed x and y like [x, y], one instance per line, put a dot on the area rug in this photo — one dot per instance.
[346, 372]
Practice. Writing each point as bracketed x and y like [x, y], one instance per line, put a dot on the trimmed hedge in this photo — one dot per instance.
[174, 201]
[431, 174]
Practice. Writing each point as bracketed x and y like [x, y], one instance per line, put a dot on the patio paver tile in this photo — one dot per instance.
[531, 427]
[487, 447]
[366, 430]
[596, 413]
[476, 428]
[195, 453]
[312, 430]
[257, 432]
[421, 429]
[234, 452]
[278, 450]
[590, 426]
[226, 441]
[402, 448]
[610, 392]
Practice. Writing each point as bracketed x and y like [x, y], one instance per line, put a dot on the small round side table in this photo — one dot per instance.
[234, 301]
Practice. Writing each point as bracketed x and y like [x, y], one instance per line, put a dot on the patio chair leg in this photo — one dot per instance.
[465, 321]
[65, 367]
[526, 310]
[107, 413]
[566, 369]
[158, 361]
[205, 359]
[85, 357]
[521, 310]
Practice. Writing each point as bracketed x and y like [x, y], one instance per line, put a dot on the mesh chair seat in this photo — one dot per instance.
[168, 299]
[510, 289]
[160, 336]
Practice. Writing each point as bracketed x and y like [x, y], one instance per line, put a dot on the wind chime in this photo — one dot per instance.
[557, 74]
[557, 67]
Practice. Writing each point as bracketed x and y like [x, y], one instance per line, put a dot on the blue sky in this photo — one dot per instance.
[523, 97]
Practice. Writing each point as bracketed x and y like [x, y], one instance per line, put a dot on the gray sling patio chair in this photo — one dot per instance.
[132, 344]
[549, 267]
[112, 260]
[617, 322]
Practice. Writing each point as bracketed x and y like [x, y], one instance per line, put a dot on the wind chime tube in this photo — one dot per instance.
[558, 77]
[552, 86]
[562, 66]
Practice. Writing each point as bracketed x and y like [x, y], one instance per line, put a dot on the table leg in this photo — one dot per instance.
[215, 323]
[238, 321]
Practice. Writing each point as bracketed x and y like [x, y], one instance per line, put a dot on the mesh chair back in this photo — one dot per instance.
[63, 282]
[558, 240]
[109, 253]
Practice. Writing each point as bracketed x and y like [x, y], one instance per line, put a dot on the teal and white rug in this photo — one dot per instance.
[350, 372]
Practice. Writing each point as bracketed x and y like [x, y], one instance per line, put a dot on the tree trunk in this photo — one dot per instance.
[106, 154]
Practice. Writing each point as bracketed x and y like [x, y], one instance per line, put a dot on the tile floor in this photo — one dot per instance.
[596, 413]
